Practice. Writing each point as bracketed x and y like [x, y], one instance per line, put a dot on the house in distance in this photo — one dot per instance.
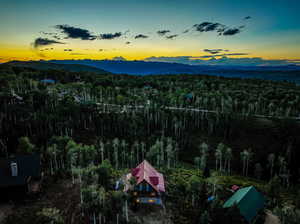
[149, 186]
[20, 174]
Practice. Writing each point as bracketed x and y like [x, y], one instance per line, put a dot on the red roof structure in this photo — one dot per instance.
[145, 172]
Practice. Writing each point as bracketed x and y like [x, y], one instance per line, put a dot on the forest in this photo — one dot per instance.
[204, 133]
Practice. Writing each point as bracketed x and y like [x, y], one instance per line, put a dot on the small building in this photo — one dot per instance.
[20, 174]
[150, 185]
[248, 200]
[48, 81]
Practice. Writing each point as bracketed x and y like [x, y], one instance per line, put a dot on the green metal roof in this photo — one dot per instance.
[248, 200]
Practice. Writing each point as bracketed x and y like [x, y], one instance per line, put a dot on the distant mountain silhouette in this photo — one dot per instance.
[42, 65]
[279, 73]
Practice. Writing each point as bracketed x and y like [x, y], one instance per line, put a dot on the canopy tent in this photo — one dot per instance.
[248, 200]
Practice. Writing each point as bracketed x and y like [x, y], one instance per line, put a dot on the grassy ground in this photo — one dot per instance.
[60, 195]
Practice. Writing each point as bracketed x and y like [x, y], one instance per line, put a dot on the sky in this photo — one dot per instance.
[186, 31]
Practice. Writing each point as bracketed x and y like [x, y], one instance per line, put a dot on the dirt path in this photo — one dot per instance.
[271, 219]
[5, 209]
[153, 216]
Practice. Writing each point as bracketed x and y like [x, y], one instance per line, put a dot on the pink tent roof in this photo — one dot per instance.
[144, 171]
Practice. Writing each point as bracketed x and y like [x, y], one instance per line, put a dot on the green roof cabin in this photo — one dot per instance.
[248, 200]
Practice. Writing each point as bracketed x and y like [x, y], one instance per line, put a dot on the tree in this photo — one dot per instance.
[219, 155]
[25, 146]
[50, 215]
[258, 170]
[197, 162]
[116, 152]
[194, 187]
[245, 157]
[271, 160]
[104, 171]
[117, 202]
[228, 158]
[274, 189]
[205, 218]
[203, 148]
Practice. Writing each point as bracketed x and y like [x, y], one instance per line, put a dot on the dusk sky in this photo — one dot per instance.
[165, 30]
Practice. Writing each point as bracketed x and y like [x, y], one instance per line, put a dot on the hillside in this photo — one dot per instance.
[203, 133]
[41, 65]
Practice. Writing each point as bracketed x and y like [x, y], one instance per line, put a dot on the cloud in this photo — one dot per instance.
[219, 28]
[47, 49]
[224, 60]
[140, 36]
[119, 58]
[39, 42]
[53, 35]
[231, 31]
[172, 36]
[186, 31]
[110, 36]
[68, 50]
[222, 55]
[75, 32]
[128, 42]
[247, 17]
[214, 51]
[208, 26]
[163, 32]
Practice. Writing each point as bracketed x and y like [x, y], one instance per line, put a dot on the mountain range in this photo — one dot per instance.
[289, 73]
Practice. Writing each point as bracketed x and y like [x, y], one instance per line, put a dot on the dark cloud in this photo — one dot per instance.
[119, 58]
[208, 26]
[53, 35]
[47, 49]
[172, 36]
[110, 36]
[48, 33]
[247, 17]
[214, 51]
[222, 55]
[231, 31]
[39, 42]
[163, 32]
[219, 28]
[75, 32]
[186, 31]
[128, 42]
[56, 37]
[68, 50]
[140, 36]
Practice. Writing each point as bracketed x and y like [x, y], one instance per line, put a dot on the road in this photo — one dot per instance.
[198, 110]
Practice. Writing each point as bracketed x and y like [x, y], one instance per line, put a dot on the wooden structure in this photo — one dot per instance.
[149, 184]
[20, 172]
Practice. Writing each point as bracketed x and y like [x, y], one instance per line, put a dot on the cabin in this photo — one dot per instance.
[20, 174]
[248, 200]
[149, 186]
